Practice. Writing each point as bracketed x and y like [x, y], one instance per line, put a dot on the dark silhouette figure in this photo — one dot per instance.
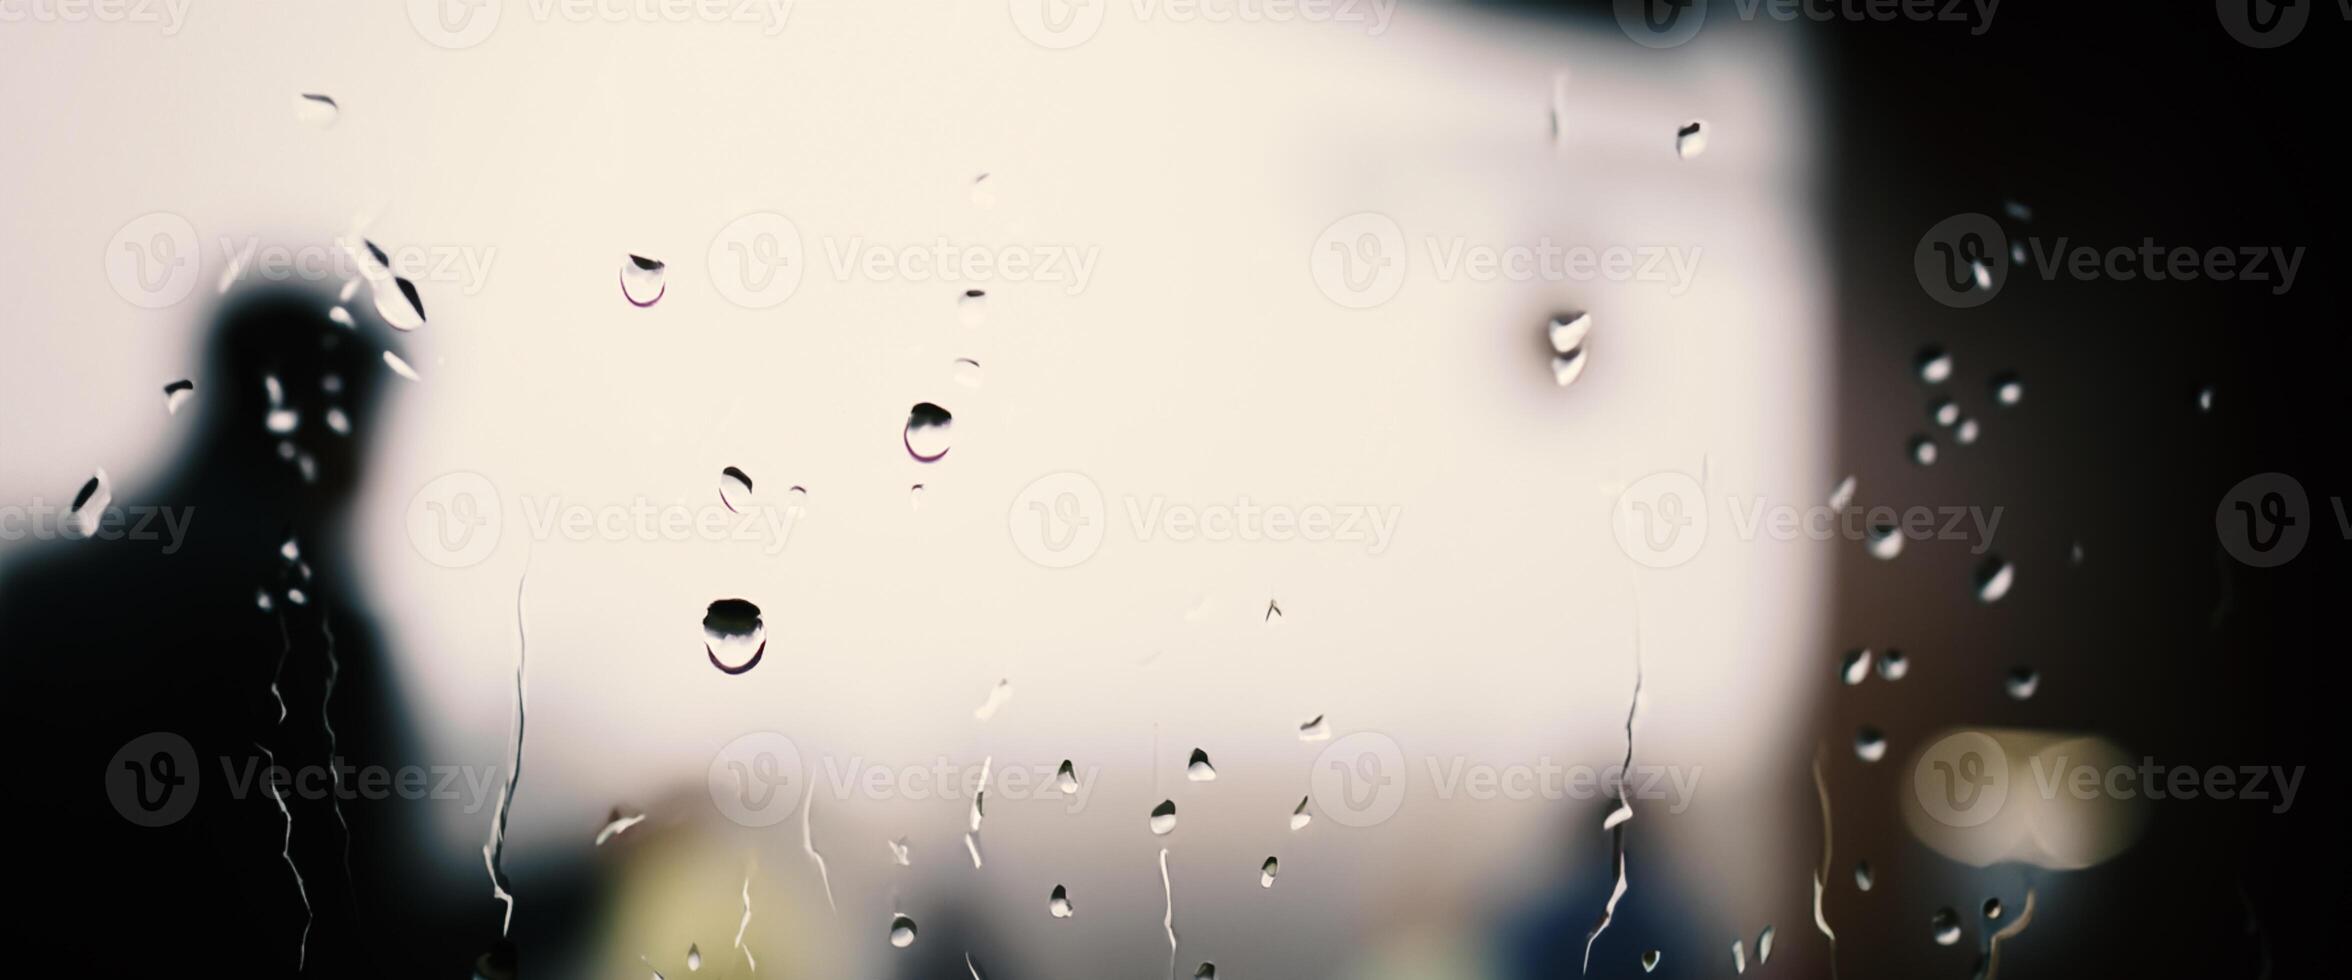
[136, 630]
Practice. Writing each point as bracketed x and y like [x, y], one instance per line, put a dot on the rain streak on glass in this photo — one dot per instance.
[1869, 744]
[1946, 924]
[733, 635]
[1163, 817]
[643, 280]
[1315, 730]
[926, 432]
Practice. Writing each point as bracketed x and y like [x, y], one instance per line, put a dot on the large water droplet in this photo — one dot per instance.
[1946, 924]
[644, 281]
[2022, 683]
[1856, 667]
[734, 636]
[177, 394]
[734, 489]
[315, 110]
[1922, 450]
[1691, 139]
[1893, 665]
[926, 432]
[1199, 770]
[902, 931]
[1935, 366]
[1267, 871]
[1870, 744]
[89, 505]
[1059, 904]
[1163, 817]
[1993, 579]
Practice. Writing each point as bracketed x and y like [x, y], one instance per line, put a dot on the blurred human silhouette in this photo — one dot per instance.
[233, 625]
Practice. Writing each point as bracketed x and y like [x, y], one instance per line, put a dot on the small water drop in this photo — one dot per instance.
[733, 635]
[734, 489]
[261, 600]
[2017, 209]
[400, 367]
[1273, 613]
[1199, 770]
[997, 696]
[902, 931]
[315, 110]
[1870, 745]
[693, 957]
[1568, 329]
[177, 394]
[1267, 871]
[1739, 956]
[926, 432]
[1856, 667]
[967, 372]
[1946, 924]
[1207, 971]
[1842, 496]
[2205, 399]
[972, 307]
[982, 196]
[1059, 904]
[1965, 433]
[1163, 817]
[1300, 818]
[337, 422]
[89, 505]
[2017, 252]
[1922, 450]
[1944, 411]
[1935, 366]
[1691, 139]
[1649, 961]
[915, 496]
[1764, 946]
[2022, 682]
[1315, 730]
[1893, 665]
[2007, 389]
[399, 304]
[1066, 779]
[1992, 908]
[901, 853]
[1993, 579]
[644, 281]
[1568, 367]
[1863, 876]
[2074, 554]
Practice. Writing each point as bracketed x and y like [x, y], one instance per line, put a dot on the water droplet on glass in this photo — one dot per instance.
[1922, 450]
[1869, 744]
[1059, 904]
[177, 394]
[1315, 730]
[1649, 961]
[1893, 665]
[1273, 613]
[1863, 876]
[967, 372]
[982, 196]
[315, 110]
[1691, 139]
[296, 596]
[734, 489]
[2017, 254]
[1163, 817]
[1993, 579]
[2022, 683]
[1944, 411]
[643, 280]
[1739, 956]
[1842, 496]
[399, 304]
[2017, 209]
[1883, 541]
[89, 505]
[331, 383]
[1856, 667]
[1935, 366]
[1992, 908]
[350, 289]
[997, 696]
[1199, 770]
[400, 367]
[1066, 779]
[902, 931]
[261, 600]
[733, 635]
[1568, 367]
[1947, 927]
[1965, 433]
[915, 497]
[972, 307]
[1267, 871]
[2007, 389]
[2074, 554]
[291, 550]
[1764, 946]
[693, 957]
[2205, 399]
[338, 422]
[1568, 329]
[901, 853]
[926, 432]
[1207, 971]
[1300, 818]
